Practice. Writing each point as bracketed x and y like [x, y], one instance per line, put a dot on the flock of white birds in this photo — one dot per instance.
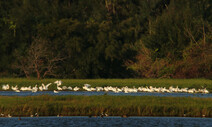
[88, 87]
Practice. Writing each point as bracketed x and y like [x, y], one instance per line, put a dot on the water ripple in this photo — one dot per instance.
[106, 122]
[86, 93]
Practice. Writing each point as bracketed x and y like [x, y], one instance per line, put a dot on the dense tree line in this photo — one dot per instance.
[106, 38]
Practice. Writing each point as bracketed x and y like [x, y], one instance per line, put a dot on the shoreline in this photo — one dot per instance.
[106, 117]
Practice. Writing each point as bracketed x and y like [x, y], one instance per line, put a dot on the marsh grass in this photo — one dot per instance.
[181, 83]
[113, 105]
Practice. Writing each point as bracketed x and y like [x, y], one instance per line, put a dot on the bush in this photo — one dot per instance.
[197, 62]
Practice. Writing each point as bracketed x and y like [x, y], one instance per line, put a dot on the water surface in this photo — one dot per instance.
[86, 93]
[105, 122]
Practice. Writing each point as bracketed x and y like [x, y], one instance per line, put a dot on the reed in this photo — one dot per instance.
[71, 105]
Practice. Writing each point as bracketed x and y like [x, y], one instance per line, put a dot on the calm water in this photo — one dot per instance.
[105, 122]
[12, 93]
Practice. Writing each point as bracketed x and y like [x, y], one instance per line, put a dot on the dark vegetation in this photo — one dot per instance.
[106, 38]
[112, 105]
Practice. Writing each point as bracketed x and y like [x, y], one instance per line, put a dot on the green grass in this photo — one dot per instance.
[190, 83]
[112, 105]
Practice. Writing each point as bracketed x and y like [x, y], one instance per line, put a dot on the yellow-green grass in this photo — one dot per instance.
[112, 105]
[181, 83]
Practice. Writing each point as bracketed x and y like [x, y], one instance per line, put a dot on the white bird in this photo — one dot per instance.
[87, 89]
[9, 115]
[205, 91]
[76, 88]
[59, 88]
[64, 87]
[17, 91]
[93, 89]
[15, 88]
[23, 88]
[46, 87]
[185, 90]
[70, 88]
[106, 114]
[58, 82]
[106, 89]
[36, 114]
[99, 89]
[87, 85]
[35, 88]
[6, 87]
[26, 88]
[191, 91]
[56, 91]
[41, 88]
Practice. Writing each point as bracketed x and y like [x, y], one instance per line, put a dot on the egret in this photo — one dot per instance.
[76, 88]
[70, 88]
[41, 88]
[64, 87]
[205, 91]
[35, 89]
[15, 88]
[56, 91]
[6, 87]
[59, 88]
[2, 115]
[9, 116]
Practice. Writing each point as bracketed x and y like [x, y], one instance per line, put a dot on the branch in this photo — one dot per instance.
[190, 34]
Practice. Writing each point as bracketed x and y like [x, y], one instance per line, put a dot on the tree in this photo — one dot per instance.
[39, 59]
[98, 37]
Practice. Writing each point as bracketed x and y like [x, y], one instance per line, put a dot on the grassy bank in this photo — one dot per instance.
[181, 83]
[112, 105]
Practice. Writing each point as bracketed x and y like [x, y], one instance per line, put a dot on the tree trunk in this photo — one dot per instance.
[38, 74]
[37, 71]
[26, 74]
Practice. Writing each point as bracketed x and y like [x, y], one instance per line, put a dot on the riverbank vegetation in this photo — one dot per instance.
[112, 105]
[181, 83]
[106, 38]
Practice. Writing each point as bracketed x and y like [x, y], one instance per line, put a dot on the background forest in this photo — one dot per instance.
[106, 38]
